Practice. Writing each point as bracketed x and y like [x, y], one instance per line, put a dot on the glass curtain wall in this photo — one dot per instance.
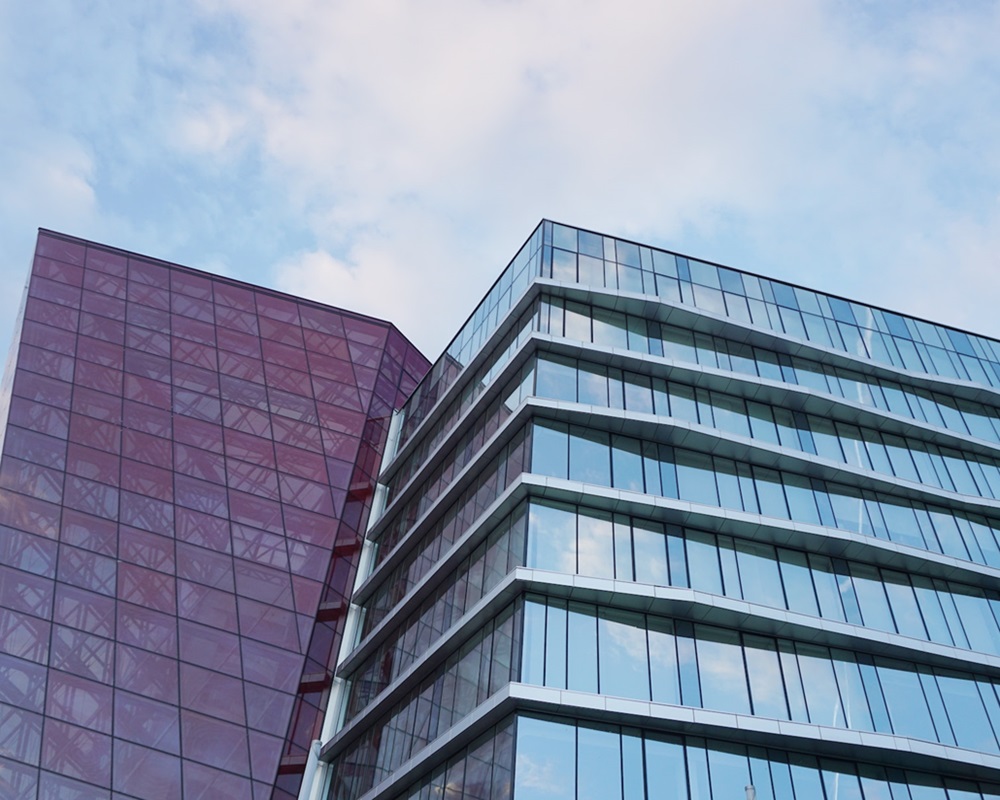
[745, 497]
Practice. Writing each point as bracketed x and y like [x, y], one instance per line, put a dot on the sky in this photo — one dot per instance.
[391, 156]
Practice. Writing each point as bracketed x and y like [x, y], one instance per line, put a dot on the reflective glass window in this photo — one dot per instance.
[622, 657]
[666, 775]
[595, 536]
[903, 693]
[822, 697]
[966, 712]
[545, 761]
[589, 456]
[550, 450]
[627, 464]
[650, 555]
[556, 378]
[582, 648]
[723, 674]
[759, 575]
[555, 644]
[599, 763]
[767, 691]
[695, 478]
[663, 663]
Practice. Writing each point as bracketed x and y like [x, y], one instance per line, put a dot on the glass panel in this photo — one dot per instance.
[759, 574]
[871, 597]
[627, 464]
[582, 648]
[905, 610]
[663, 661]
[721, 669]
[665, 770]
[545, 761]
[905, 700]
[827, 588]
[598, 762]
[556, 378]
[695, 478]
[797, 579]
[593, 385]
[852, 691]
[596, 545]
[550, 450]
[589, 457]
[555, 644]
[703, 562]
[822, 696]
[967, 713]
[730, 771]
[624, 563]
[767, 690]
[622, 657]
[633, 773]
[551, 537]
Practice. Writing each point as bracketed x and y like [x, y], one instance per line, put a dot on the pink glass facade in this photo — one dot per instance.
[185, 481]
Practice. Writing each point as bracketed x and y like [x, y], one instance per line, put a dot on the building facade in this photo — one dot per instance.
[649, 528]
[187, 469]
[656, 528]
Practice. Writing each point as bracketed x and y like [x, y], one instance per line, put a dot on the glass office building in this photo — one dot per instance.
[649, 528]
[657, 528]
[185, 482]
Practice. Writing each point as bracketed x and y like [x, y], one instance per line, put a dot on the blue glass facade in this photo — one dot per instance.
[652, 527]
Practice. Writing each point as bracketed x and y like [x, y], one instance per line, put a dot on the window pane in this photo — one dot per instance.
[871, 597]
[589, 457]
[624, 569]
[822, 697]
[663, 661]
[852, 690]
[904, 604]
[623, 658]
[650, 555]
[767, 689]
[545, 765]
[627, 464]
[703, 562]
[596, 543]
[599, 763]
[904, 698]
[593, 385]
[582, 650]
[797, 579]
[759, 573]
[549, 450]
[665, 772]
[555, 644]
[552, 537]
[770, 493]
[720, 666]
[827, 588]
[967, 713]
[695, 478]
[730, 771]
[556, 378]
[638, 393]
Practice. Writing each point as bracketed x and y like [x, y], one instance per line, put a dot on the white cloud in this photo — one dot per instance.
[768, 128]
[60, 173]
[410, 147]
[400, 270]
[211, 129]
[49, 184]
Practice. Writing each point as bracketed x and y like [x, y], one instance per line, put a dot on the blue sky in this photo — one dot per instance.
[390, 156]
